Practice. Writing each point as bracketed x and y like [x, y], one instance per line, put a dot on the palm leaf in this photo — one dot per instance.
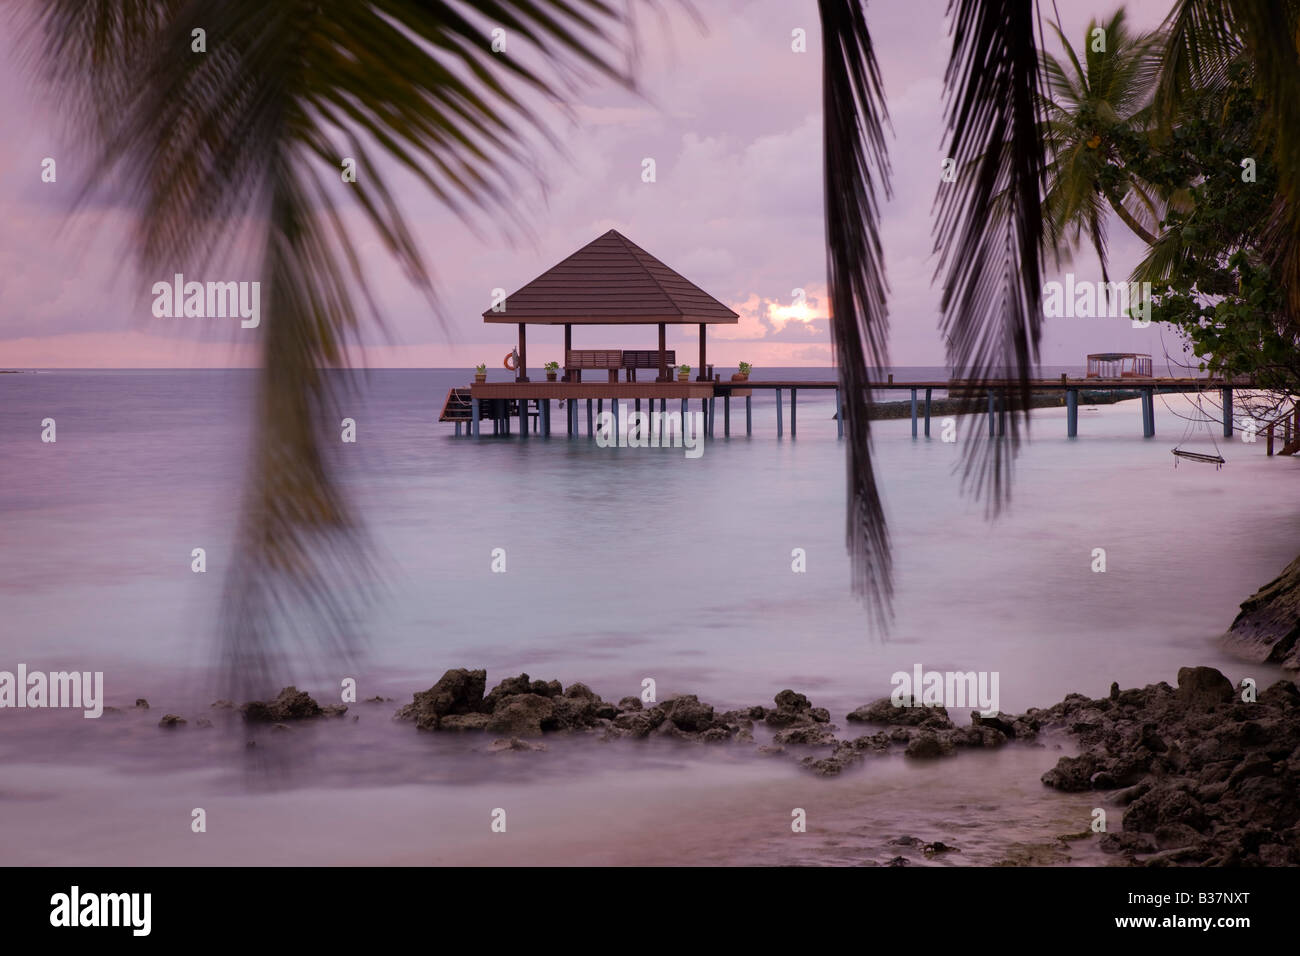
[241, 146]
[856, 167]
[992, 265]
[1199, 40]
[1271, 32]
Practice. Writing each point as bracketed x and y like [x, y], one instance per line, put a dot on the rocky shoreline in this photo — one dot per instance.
[1268, 627]
[1202, 774]
[1207, 774]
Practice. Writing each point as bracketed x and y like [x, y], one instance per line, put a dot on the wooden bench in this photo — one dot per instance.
[634, 359]
[575, 360]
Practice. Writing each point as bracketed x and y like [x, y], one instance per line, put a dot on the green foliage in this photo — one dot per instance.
[1210, 276]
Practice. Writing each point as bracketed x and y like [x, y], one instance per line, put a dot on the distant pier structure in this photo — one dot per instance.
[1109, 365]
[612, 282]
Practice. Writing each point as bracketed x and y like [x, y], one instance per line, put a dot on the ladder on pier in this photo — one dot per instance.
[457, 407]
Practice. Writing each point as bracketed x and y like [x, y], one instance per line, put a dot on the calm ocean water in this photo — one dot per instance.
[622, 564]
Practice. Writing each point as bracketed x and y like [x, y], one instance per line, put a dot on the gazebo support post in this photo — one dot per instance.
[568, 347]
[521, 373]
[663, 352]
[703, 355]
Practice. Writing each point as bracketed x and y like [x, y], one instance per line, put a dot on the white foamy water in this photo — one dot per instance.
[622, 564]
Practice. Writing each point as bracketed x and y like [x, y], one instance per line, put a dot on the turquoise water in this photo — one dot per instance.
[621, 564]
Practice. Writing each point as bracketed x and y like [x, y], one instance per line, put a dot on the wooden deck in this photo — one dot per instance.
[484, 391]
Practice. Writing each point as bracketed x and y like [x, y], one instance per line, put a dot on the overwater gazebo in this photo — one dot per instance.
[611, 281]
[1119, 365]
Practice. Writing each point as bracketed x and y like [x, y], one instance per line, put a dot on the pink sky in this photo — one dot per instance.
[731, 117]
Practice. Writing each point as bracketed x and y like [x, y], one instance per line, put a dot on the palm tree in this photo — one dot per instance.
[225, 122]
[1092, 107]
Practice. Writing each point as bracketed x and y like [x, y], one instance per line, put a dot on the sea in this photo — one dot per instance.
[723, 575]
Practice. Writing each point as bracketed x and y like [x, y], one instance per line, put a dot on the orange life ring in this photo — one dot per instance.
[510, 363]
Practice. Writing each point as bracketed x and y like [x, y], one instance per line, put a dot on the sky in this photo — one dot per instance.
[729, 112]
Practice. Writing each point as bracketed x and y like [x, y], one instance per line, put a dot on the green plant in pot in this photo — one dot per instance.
[480, 373]
[743, 374]
[552, 368]
[683, 373]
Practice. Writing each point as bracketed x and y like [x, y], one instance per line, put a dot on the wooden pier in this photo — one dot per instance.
[613, 282]
[495, 401]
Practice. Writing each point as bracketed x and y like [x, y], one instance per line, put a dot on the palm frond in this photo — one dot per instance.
[992, 271]
[1199, 40]
[242, 145]
[856, 168]
[1271, 32]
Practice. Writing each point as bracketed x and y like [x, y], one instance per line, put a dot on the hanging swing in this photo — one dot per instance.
[1216, 459]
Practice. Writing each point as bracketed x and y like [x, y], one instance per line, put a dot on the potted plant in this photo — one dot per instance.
[480, 373]
[551, 369]
[743, 374]
[683, 373]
